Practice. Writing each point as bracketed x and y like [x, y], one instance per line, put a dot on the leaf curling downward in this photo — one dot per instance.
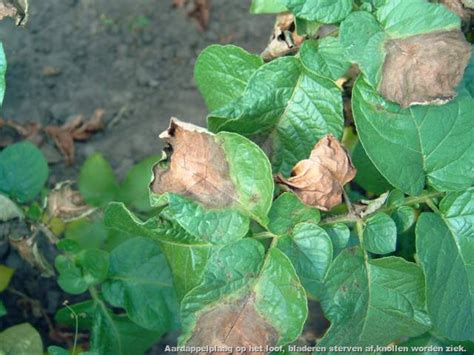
[319, 180]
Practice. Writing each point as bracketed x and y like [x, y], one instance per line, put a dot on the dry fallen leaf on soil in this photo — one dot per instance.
[17, 9]
[199, 11]
[319, 180]
[75, 129]
[196, 168]
[66, 203]
[284, 39]
[234, 324]
[424, 69]
[29, 130]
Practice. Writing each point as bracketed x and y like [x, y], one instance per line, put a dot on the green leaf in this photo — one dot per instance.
[445, 247]
[6, 275]
[80, 271]
[56, 350]
[418, 145]
[339, 234]
[3, 310]
[134, 190]
[287, 211]
[372, 301]
[85, 311]
[3, 69]
[368, 177]
[23, 171]
[307, 28]
[380, 234]
[186, 256]
[97, 182]
[114, 334]
[468, 80]
[324, 57]
[9, 210]
[267, 6]
[404, 217]
[291, 107]
[21, 339]
[222, 73]
[87, 234]
[364, 35]
[309, 249]
[324, 11]
[243, 286]
[140, 282]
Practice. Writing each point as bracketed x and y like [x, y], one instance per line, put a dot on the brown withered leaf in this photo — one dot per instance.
[199, 10]
[29, 130]
[18, 9]
[284, 39]
[232, 325]
[77, 128]
[66, 203]
[424, 69]
[319, 180]
[196, 167]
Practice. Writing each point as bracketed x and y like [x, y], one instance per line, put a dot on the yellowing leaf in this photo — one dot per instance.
[6, 274]
[319, 180]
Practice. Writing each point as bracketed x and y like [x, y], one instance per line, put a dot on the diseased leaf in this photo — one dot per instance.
[216, 171]
[21, 339]
[116, 334]
[319, 180]
[423, 144]
[267, 6]
[284, 39]
[289, 107]
[372, 301]
[325, 11]
[287, 211]
[17, 9]
[380, 234]
[66, 203]
[402, 50]
[309, 248]
[324, 57]
[23, 171]
[245, 299]
[97, 182]
[445, 247]
[140, 282]
[9, 210]
[222, 73]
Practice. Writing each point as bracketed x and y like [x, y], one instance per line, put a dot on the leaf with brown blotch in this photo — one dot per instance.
[319, 180]
[66, 203]
[197, 167]
[284, 39]
[424, 69]
[234, 324]
[17, 9]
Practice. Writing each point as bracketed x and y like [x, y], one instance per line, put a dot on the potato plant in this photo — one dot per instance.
[339, 169]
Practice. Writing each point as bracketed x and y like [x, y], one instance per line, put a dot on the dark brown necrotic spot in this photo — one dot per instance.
[424, 69]
[197, 167]
[232, 325]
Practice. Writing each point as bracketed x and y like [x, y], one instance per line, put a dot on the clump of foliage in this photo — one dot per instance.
[341, 173]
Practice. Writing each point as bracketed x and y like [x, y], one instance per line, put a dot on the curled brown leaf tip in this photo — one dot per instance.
[18, 9]
[195, 166]
[232, 325]
[284, 39]
[319, 180]
[66, 203]
[424, 69]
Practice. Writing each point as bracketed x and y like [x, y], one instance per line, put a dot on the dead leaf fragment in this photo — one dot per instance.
[199, 10]
[319, 180]
[66, 203]
[196, 168]
[284, 39]
[17, 9]
[234, 324]
[424, 69]
[29, 130]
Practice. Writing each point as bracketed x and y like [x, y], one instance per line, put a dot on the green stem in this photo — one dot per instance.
[409, 201]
